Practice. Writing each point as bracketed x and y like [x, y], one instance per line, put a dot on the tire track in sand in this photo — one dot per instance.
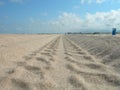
[93, 75]
[30, 73]
[60, 65]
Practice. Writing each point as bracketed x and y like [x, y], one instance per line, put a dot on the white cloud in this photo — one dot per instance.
[65, 22]
[98, 21]
[104, 20]
[92, 1]
[100, 1]
[82, 1]
[68, 22]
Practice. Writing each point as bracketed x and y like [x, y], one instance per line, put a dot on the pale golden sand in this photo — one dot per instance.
[53, 62]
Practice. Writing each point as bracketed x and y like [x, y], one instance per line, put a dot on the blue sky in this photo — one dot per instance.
[55, 16]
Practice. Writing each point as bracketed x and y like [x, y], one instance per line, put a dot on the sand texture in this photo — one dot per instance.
[58, 62]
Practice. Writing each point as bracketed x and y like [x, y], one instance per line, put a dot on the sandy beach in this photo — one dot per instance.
[59, 62]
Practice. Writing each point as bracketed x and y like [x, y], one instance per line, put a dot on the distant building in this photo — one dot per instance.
[114, 31]
[96, 32]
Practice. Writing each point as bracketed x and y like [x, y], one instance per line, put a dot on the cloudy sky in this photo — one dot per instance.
[58, 16]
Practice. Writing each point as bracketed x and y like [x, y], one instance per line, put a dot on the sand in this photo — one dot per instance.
[54, 62]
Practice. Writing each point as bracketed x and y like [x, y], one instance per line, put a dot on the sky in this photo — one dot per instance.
[59, 16]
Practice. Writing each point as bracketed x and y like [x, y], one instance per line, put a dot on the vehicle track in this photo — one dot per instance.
[93, 74]
[60, 65]
[29, 74]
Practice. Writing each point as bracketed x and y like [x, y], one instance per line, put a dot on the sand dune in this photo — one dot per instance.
[53, 62]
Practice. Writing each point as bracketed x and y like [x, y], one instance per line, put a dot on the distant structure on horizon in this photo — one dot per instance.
[114, 31]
